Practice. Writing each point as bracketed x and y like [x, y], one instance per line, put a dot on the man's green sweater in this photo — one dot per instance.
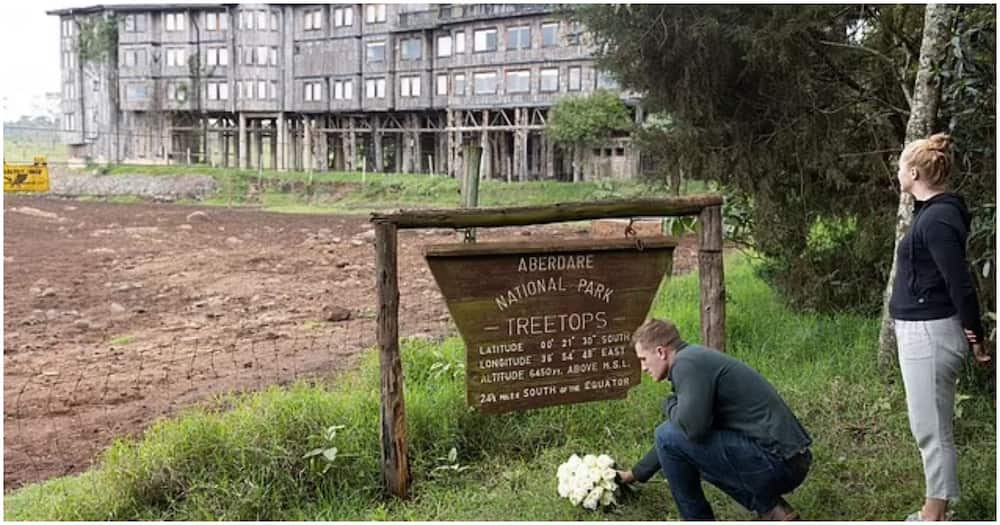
[713, 391]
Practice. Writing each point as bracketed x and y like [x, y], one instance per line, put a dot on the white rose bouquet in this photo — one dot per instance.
[589, 481]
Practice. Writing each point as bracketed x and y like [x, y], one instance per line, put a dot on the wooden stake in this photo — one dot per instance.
[395, 462]
[711, 278]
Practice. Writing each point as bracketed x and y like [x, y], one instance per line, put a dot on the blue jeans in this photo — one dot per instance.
[731, 461]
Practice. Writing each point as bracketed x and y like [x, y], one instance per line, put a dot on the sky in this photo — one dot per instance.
[29, 49]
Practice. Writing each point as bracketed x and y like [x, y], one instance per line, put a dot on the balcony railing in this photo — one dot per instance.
[446, 13]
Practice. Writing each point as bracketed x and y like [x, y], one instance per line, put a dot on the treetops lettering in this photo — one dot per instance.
[556, 323]
[549, 263]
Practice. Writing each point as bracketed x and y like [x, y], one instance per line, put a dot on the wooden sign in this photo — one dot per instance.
[549, 323]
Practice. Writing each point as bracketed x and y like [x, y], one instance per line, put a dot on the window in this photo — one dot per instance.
[223, 90]
[485, 40]
[518, 81]
[374, 13]
[273, 91]
[343, 17]
[273, 56]
[177, 92]
[262, 89]
[217, 56]
[274, 21]
[549, 33]
[314, 91]
[441, 85]
[375, 52]
[175, 22]
[136, 92]
[262, 52]
[484, 83]
[573, 35]
[130, 24]
[460, 42]
[605, 80]
[261, 20]
[444, 46]
[314, 19]
[247, 56]
[459, 87]
[68, 123]
[246, 20]
[549, 80]
[67, 28]
[343, 90]
[410, 49]
[409, 86]
[176, 57]
[212, 91]
[519, 37]
[131, 58]
[574, 78]
[216, 21]
[375, 88]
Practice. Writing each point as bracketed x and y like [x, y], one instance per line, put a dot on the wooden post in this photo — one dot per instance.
[473, 156]
[711, 278]
[395, 462]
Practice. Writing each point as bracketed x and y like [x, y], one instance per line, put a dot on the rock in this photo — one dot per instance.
[233, 241]
[83, 324]
[117, 308]
[48, 292]
[34, 290]
[185, 227]
[336, 314]
[41, 283]
[525, 232]
[368, 235]
[101, 251]
[335, 240]
[51, 315]
[197, 216]
[342, 264]
[357, 242]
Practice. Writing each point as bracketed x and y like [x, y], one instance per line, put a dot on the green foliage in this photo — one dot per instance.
[98, 39]
[801, 111]
[247, 463]
[587, 120]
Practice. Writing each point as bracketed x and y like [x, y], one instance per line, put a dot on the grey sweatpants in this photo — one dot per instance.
[930, 357]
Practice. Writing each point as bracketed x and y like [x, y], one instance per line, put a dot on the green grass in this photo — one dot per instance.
[356, 193]
[52, 149]
[246, 462]
[121, 340]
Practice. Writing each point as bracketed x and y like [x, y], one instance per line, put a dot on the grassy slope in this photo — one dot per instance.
[245, 463]
[341, 192]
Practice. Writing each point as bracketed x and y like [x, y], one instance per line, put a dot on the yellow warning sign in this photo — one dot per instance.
[26, 177]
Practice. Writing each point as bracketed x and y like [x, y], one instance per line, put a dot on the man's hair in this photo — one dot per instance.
[656, 332]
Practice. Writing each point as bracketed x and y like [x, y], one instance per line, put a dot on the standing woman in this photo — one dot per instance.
[936, 315]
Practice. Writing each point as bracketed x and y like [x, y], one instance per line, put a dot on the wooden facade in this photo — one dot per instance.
[380, 87]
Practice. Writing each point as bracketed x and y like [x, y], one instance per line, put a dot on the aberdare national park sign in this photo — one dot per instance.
[549, 323]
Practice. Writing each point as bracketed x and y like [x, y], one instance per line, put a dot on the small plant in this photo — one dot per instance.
[444, 367]
[121, 340]
[449, 463]
[327, 453]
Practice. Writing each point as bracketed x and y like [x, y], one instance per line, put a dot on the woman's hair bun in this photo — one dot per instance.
[939, 142]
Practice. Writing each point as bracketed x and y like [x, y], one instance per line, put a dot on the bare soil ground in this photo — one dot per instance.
[118, 314]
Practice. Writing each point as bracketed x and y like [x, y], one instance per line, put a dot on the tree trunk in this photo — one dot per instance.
[926, 94]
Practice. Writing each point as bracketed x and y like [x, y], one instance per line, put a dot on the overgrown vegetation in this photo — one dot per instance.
[801, 111]
[256, 461]
[98, 39]
[577, 123]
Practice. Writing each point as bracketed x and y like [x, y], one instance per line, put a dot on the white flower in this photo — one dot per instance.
[588, 481]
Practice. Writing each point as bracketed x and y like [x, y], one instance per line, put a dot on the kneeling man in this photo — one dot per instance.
[726, 424]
